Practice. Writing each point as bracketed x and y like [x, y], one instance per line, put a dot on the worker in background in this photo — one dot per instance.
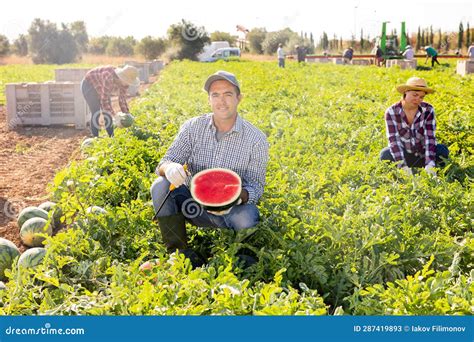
[300, 53]
[431, 52]
[281, 56]
[378, 53]
[347, 55]
[408, 53]
[470, 52]
[99, 85]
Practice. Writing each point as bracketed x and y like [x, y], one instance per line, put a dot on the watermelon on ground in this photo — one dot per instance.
[30, 212]
[216, 189]
[30, 230]
[31, 257]
[95, 209]
[53, 210]
[86, 144]
[8, 253]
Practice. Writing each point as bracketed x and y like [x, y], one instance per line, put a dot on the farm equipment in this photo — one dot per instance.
[391, 45]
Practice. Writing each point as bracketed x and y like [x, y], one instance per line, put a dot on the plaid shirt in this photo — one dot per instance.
[418, 139]
[244, 150]
[105, 81]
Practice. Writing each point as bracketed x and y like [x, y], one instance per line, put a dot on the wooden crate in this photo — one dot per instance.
[52, 103]
[402, 63]
[361, 61]
[70, 75]
[317, 60]
[143, 70]
[155, 66]
[337, 60]
[465, 67]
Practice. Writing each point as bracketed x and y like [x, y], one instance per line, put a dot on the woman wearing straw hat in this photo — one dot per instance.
[99, 85]
[411, 129]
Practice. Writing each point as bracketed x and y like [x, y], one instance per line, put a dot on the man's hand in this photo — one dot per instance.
[430, 170]
[407, 170]
[175, 174]
[244, 196]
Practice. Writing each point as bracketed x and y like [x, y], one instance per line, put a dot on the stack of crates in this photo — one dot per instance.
[465, 67]
[50, 103]
[317, 60]
[155, 66]
[360, 61]
[143, 70]
[70, 75]
[402, 63]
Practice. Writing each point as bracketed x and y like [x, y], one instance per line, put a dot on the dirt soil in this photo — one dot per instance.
[29, 159]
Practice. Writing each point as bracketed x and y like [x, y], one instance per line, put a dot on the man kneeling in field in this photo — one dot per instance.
[220, 139]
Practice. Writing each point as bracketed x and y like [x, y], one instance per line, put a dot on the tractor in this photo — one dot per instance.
[391, 46]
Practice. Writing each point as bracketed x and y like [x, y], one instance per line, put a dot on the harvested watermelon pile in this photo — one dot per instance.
[341, 233]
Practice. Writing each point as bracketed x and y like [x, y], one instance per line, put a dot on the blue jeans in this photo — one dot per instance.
[93, 101]
[281, 62]
[415, 161]
[180, 201]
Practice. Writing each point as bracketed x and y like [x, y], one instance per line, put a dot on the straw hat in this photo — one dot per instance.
[415, 83]
[129, 75]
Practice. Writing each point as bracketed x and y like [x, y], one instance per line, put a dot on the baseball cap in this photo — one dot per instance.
[221, 75]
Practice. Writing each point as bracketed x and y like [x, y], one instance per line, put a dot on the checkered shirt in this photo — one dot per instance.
[106, 82]
[418, 139]
[244, 150]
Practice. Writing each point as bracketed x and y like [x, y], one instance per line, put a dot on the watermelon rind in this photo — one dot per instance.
[31, 257]
[8, 253]
[30, 230]
[213, 206]
[30, 212]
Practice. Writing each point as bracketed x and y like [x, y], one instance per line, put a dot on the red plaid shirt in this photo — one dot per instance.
[106, 82]
[418, 139]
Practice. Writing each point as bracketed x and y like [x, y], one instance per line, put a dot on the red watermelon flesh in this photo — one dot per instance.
[216, 188]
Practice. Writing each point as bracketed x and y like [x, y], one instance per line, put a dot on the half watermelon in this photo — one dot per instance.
[216, 189]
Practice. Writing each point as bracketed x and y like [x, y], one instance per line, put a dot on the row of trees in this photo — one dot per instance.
[262, 42]
[46, 43]
[444, 41]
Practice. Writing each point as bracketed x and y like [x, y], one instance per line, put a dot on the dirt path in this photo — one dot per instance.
[29, 159]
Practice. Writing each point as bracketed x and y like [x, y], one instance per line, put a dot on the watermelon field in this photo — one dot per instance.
[340, 234]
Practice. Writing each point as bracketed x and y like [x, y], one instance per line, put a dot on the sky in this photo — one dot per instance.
[140, 18]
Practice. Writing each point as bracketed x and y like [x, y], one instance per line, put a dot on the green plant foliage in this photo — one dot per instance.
[340, 231]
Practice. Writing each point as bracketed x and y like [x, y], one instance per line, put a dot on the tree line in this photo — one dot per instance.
[45, 42]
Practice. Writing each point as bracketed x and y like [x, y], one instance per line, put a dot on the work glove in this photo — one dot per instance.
[407, 170]
[430, 170]
[175, 174]
[226, 211]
